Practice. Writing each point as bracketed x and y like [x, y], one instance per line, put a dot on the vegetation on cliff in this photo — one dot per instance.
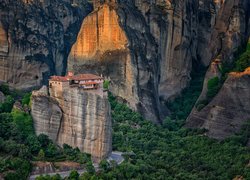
[243, 61]
[19, 145]
[156, 152]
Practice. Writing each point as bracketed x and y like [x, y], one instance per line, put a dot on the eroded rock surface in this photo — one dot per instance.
[228, 110]
[146, 48]
[35, 39]
[149, 48]
[79, 118]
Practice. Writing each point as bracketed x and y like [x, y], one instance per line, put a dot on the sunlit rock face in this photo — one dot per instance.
[100, 32]
[229, 109]
[159, 43]
[103, 47]
[3, 41]
[75, 117]
[146, 48]
[35, 39]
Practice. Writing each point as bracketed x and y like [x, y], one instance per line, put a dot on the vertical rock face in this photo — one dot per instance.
[103, 47]
[35, 39]
[146, 48]
[79, 118]
[229, 32]
[159, 43]
[229, 109]
[3, 40]
[100, 32]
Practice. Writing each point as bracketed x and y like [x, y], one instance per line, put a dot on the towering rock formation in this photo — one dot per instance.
[79, 118]
[159, 43]
[146, 48]
[121, 53]
[35, 39]
[228, 110]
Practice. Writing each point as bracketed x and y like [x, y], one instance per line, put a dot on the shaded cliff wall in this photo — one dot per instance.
[36, 37]
[228, 110]
[230, 31]
[79, 118]
[160, 41]
[147, 48]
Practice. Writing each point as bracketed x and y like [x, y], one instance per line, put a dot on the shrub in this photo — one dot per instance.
[213, 86]
[7, 105]
[106, 84]
[200, 107]
[23, 122]
[74, 175]
[243, 60]
[26, 99]
[5, 89]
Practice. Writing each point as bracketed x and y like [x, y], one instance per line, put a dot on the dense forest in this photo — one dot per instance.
[166, 151]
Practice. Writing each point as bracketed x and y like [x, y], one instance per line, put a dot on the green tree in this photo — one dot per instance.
[90, 168]
[33, 143]
[104, 165]
[41, 155]
[213, 86]
[26, 99]
[44, 140]
[7, 105]
[74, 175]
[106, 84]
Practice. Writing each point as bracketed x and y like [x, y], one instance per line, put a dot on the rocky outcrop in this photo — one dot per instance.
[160, 43]
[146, 48]
[79, 118]
[228, 110]
[230, 31]
[106, 45]
[35, 39]
[228, 36]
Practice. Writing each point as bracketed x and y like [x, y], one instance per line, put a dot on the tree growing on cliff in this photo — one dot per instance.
[41, 155]
[74, 175]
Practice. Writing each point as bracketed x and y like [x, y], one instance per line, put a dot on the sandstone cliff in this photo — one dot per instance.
[79, 118]
[35, 39]
[228, 110]
[149, 48]
[229, 34]
[146, 48]
[102, 47]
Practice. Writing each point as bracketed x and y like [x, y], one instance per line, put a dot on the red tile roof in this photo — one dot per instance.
[89, 83]
[59, 78]
[78, 77]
